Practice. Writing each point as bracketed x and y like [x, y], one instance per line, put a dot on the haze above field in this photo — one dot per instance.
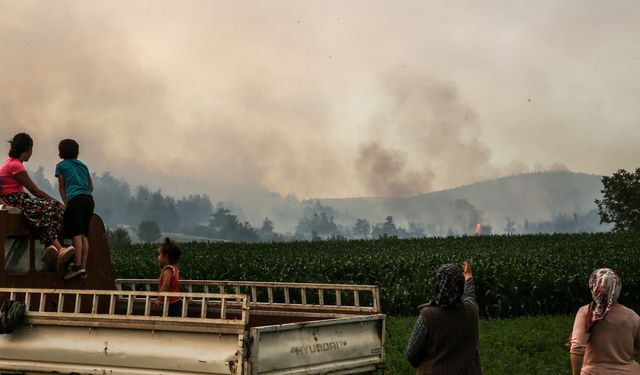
[323, 99]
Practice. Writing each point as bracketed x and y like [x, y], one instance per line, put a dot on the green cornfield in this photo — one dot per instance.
[515, 275]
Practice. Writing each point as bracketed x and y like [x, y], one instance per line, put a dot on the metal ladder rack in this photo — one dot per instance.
[300, 296]
[129, 309]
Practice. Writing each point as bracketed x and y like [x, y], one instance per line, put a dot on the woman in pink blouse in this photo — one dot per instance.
[43, 212]
[605, 333]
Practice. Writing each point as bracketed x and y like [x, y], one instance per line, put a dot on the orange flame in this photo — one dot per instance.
[478, 229]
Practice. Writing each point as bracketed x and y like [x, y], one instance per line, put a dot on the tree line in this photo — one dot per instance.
[148, 214]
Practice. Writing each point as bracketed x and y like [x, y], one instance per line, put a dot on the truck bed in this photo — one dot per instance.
[119, 332]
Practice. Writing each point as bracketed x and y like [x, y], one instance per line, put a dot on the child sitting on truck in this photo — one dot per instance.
[75, 185]
[168, 255]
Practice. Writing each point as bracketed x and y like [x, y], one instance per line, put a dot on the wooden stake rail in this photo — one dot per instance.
[129, 309]
[301, 296]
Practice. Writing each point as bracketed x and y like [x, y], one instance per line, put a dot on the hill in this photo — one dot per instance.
[534, 197]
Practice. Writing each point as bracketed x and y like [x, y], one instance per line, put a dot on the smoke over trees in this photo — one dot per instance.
[196, 216]
[388, 127]
[361, 229]
[566, 223]
[317, 221]
[118, 237]
[117, 206]
[226, 226]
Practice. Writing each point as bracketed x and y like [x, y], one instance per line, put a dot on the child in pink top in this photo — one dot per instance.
[43, 212]
[168, 255]
[8, 182]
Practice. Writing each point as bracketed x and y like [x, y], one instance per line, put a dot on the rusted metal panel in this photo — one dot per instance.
[348, 345]
[99, 268]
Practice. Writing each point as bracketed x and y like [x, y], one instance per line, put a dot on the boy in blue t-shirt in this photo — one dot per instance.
[75, 185]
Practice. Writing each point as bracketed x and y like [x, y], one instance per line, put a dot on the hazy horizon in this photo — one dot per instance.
[323, 100]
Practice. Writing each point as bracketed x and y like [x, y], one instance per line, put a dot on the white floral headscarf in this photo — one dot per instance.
[605, 288]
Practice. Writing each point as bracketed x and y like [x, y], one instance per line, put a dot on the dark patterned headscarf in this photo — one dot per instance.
[449, 286]
[605, 288]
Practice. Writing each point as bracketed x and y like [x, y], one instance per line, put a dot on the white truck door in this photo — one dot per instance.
[353, 345]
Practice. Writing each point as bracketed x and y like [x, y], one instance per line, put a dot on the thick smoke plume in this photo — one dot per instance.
[318, 99]
[423, 134]
[384, 173]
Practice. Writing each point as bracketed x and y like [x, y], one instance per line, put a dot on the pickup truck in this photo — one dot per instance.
[100, 325]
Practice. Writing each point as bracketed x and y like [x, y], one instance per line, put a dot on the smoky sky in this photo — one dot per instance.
[323, 99]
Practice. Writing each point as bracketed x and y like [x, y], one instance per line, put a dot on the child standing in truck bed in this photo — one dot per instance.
[75, 185]
[168, 255]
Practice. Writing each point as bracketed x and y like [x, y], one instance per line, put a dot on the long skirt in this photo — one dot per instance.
[44, 216]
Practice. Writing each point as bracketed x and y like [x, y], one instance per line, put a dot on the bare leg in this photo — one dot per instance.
[77, 243]
[57, 245]
[85, 251]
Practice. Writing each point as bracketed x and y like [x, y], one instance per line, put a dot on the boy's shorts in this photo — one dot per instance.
[77, 215]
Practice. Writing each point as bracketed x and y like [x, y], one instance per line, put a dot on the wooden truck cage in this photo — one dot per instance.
[132, 310]
[327, 298]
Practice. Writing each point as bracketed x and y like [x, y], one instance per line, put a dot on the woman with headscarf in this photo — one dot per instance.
[43, 212]
[445, 338]
[605, 333]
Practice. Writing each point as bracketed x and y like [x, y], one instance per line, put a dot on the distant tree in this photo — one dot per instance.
[267, 227]
[42, 182]
[433, 230]
[222, 220]
[510, 227]
[451, 232]
[620, 203]
[267, 232]
[162, 210]
[416, 230]
[322, 224]
[563, 223]
[194, 210]
[118, 237]
[486, 230]
[112, 196]
[362, 228]
[149, 231]
[226, 226]
[402, 233]
[389, 226]
[316, 208]
[386, 229]
[232, 207]
[246, 233]
[137, 206]
[376, 231]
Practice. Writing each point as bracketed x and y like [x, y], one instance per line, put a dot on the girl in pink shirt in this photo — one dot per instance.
[43, 213]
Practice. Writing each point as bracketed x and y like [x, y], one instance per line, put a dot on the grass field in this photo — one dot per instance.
[536, 281]
[528, 345]
[515, 275]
